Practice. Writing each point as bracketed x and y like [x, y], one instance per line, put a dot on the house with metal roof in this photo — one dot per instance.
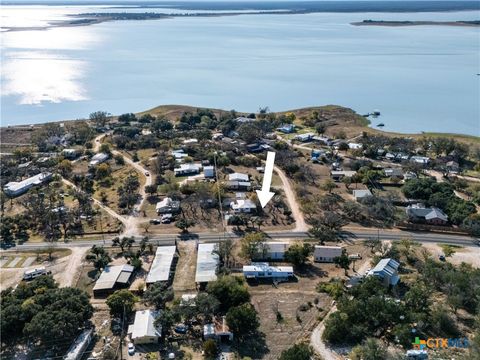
[387, 271]
[243, 206]
[167, 206]
[113, 278]
[304, 137]
[15, 188]
[160, 270]
[272, 250]
[238, 177]
[360, 194]
[428, 215]
[207, 263]
[217, 330]
[98, 159]
[325, 253]
[262, 270]
[287, 128]
[143, 329]
[338, 175]
[187, 169]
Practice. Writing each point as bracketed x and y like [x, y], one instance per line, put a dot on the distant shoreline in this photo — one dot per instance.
[392, 23]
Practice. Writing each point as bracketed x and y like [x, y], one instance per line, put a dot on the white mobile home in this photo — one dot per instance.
[14, 188]
[326, 253]
[161, 265]
[207, 263]
[98, 159]
[266, 271]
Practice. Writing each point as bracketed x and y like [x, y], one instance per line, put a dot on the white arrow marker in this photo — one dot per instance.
[265, 195]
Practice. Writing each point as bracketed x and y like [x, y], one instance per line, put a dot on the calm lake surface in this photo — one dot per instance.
[421, 78]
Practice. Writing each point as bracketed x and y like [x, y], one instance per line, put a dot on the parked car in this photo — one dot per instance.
[167, 218]
[181, 329]
[155, 221]
[355, 256]
[441, 257]
[131, 349]
[147, 173]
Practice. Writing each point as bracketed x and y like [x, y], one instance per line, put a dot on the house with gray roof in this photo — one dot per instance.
[429, 215]
[15, 188]
[387, 271]
[113, 278]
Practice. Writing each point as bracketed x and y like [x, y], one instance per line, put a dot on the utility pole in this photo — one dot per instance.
[218, 193]
[122, 333]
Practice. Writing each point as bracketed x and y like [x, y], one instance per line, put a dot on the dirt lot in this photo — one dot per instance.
[184, 279]
[64, 266]
[469, 255]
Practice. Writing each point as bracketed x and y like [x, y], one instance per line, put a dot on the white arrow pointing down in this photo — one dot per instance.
[265, 195]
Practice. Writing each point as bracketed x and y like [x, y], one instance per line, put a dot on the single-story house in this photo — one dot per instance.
[360, 194]
[218, 330]
[207, 263]
[261, 270]
[323, 253]
[409, 175]
[98, 159]
[243, 206]
[190, 141]
[304, 137]
[387, 271]
[179, 155]
[273, 250]
[422, 160]
[209, 171]
[323, 139]
[69, 153]
[338, 175]
[254, 148]
[429, 215]
[167, 205]
[393, 172]
[453, 166]
[389, 156]
[162, 264]
[113, 278]
[239, 185]
[187, 169]
[243, 119]
[238, 177]
[354, 146]
[143, 329]
[15, 188]
[24, 165]
[80, 345]
[287, 128]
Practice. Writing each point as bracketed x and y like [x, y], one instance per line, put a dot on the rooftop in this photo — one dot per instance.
[207, 263]
[161, 265]
[113, 274]
[144, 325]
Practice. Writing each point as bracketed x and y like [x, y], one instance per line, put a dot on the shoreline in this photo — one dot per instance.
[85, 19]
[392, 23]
[174, 107]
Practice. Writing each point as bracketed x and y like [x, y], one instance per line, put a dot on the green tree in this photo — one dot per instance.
[210, 349]
[120, 302]
[329, 185]
[230, 291]
[448, 250]
[98, 257]
[253, 246]
[243, 320]
[297, 352]
[157, 295]
[184, 224]
[371, 349]
[124, 242]
[343, 261]
[65, 167]
[297, 254]
[99, 118]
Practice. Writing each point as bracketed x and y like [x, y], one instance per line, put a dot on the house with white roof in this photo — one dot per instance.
[113, 278]
[262, 270]
[338, 175]
[187, 169]
[323, 253]
[207, 263]
[393, 172]
[243, 119]
[160, 270]
[69, 153]
[354, 146]
[422, 160]
[304, 137]
[273, 250]
[238, 177]
[98, 159]
[15, 188]
[360, 194]
[387, 271]
[167, 205]
[143, 329]
[243, 206]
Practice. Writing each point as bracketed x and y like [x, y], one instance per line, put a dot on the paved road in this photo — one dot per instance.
[354, 235]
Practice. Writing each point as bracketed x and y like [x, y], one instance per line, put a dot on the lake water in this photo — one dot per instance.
[421, 78]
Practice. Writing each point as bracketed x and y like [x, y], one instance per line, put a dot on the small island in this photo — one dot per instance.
[415, 23]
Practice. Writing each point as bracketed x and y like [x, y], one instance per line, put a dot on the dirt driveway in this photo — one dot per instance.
[469, 255]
